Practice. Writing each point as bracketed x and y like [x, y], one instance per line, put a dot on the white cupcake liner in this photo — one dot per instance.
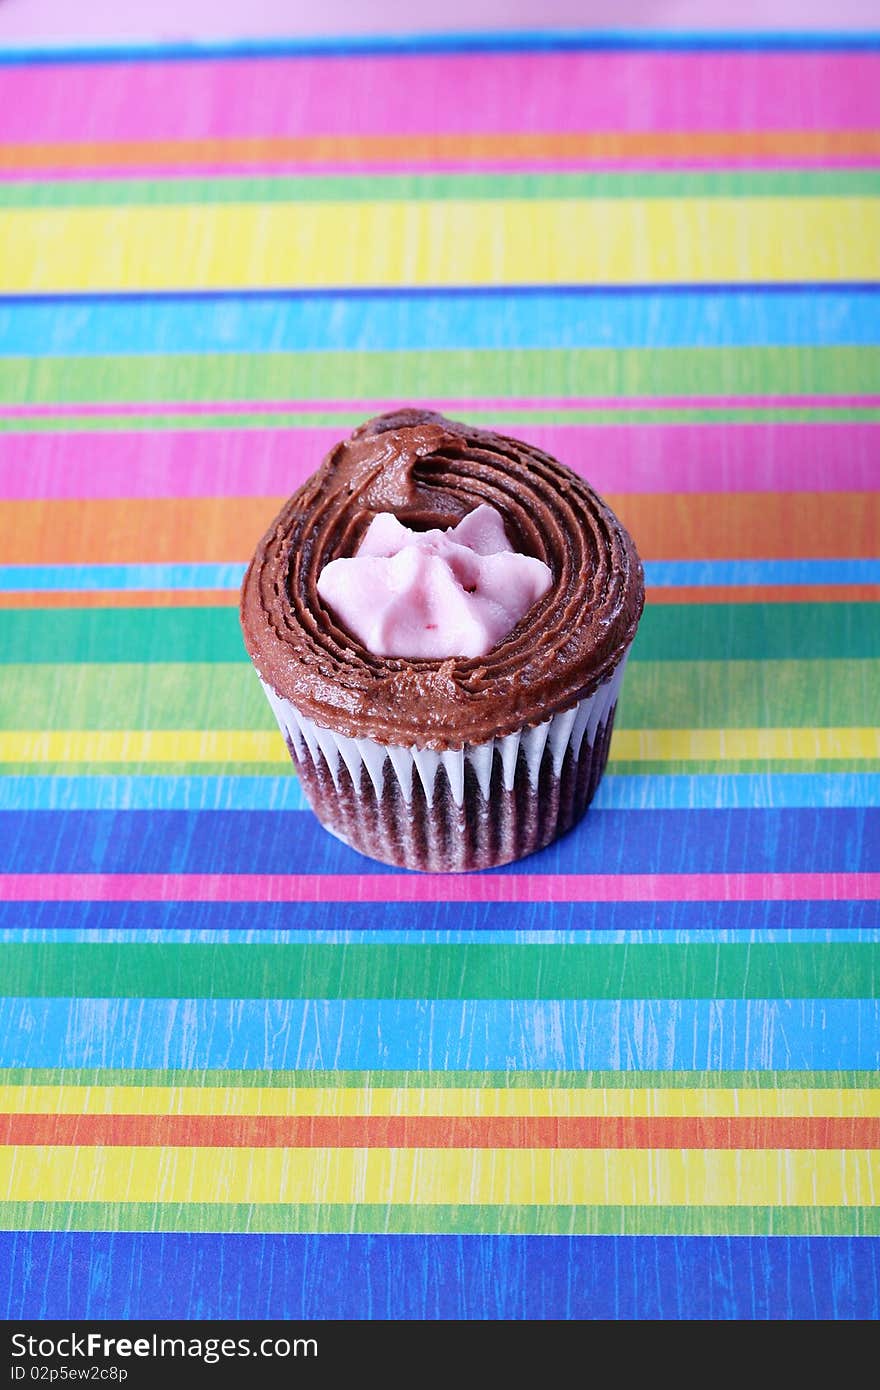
[365, 756]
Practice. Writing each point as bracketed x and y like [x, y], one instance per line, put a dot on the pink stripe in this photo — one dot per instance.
[382, 887]
[370, 95]
[499, 403]
[271, 462]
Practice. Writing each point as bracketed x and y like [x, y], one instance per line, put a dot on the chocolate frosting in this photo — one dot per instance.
[430, 472]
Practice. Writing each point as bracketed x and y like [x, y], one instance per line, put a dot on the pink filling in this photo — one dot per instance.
[433, 593]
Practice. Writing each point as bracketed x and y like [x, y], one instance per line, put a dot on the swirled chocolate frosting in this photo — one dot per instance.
[431, 472]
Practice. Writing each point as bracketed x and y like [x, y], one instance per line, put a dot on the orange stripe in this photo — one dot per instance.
[228, 598]
[752, 525]
[446, 1132]
[675, 526]
[150, 529]
[122, 598]
[431, 147]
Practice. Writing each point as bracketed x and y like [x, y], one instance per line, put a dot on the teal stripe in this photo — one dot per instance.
[842, 970]
[668, 632]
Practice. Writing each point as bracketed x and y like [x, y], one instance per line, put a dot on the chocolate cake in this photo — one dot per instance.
[447, 762]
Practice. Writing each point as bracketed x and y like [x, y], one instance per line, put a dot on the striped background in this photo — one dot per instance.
[634, 1076]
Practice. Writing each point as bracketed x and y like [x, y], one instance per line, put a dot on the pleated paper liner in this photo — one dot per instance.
[473, 807]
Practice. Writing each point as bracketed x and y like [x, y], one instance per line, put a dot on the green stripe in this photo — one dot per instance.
[845, 970]
[305, 376]
[396, 1219]
[680, 766]
[656, 694]
[181, 769]
[327, 188]
[746, 694]
[50, 424]
[668, 632]
[511, 1080]
[162, 695]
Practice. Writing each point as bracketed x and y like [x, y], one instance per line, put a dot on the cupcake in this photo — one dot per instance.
[440, 618]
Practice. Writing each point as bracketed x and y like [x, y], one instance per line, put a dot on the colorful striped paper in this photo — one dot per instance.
[245, 1072]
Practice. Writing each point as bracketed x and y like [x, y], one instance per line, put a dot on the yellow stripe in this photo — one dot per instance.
[255, 746]
[726, 745]
[442, 1101]
[516, 241]
[624, 1177]
[144, 746]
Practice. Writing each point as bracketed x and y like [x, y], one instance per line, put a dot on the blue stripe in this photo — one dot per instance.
[50, 578]
[675, 573]
[113, 1275]
[487, 41]
[454, 1035]
[108, 793]
[738, 572]
[807, 839]
[261, 921]
[708, 792]
[369, 320]
[417, 937]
